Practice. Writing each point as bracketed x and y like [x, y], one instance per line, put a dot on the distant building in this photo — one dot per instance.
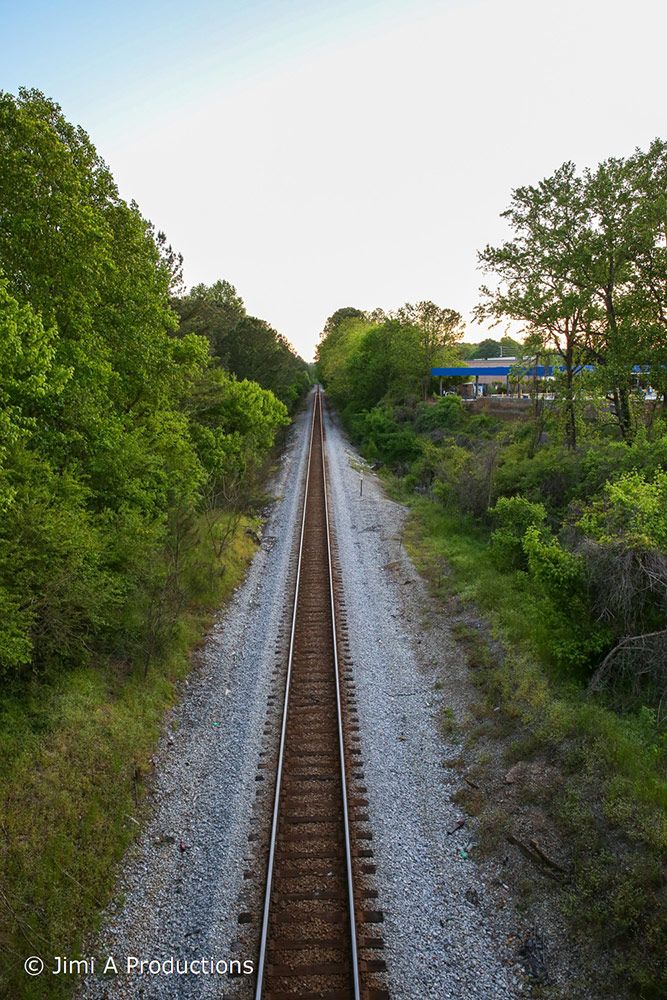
[488, 380]
[487, 373]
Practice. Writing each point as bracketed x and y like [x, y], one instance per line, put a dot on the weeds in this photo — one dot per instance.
[611, 808]
[448, 720]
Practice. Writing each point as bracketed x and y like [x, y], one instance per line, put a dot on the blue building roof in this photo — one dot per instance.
[502, 371]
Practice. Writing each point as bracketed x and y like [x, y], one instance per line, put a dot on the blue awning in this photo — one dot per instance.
[502, 371]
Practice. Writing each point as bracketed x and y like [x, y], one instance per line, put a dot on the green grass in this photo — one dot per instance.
[614, 808]
[75, 756]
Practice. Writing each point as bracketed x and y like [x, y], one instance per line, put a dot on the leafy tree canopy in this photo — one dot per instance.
[489, 348]
[585, 272]
[244, 345]
[108, 455]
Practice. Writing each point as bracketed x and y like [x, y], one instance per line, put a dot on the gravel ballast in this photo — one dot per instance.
[447, 920]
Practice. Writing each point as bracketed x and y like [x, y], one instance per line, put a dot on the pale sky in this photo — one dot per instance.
[320, 155]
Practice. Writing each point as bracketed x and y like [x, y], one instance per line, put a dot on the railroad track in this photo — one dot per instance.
[310, 942]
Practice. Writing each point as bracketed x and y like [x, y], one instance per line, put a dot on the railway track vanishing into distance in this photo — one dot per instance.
[317, 938]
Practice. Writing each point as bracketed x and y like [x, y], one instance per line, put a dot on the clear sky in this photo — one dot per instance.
[320, 155]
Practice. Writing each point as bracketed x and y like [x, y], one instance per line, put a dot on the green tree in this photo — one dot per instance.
[336, 319]
[647, 301]
[108, 459]
[342, 332]
[213, 312]
[244, 345]
[540, 273]
[585, 272]
[438, 330]
[488, 348]
[96, 271]
[385, 364]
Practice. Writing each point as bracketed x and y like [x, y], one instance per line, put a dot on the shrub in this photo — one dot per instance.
[513, 515]
[624, 547]
[576, 639]
[634, 509]
[447, 413]
[465, 477]
[392, 444]
[428, 466]
[481, 425]
[550, 477]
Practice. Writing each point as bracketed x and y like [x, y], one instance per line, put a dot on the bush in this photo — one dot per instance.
[632, 508]
[428, 466]
[465, 478]
[625, 551]
[481, 425]
[550, 477]
[56, 591]
[576, 639]
[387, 441]
[513, 515]
[447, 413]
[605, 464]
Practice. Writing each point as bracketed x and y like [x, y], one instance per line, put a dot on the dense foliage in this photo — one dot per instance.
[121, 439]
[490, 348]
[245, 346]
[366, 358]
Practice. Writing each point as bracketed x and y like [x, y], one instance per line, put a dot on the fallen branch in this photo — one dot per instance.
[20, 923]
[537, 856]
[546, 859]
[598, 676]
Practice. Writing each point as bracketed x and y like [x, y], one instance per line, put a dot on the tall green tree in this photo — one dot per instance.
[94, 269]
[586, 272]
[213, 312]
[541, 274]
[648, 297]
[614, 241]
[342, 332]
[385, 365]
[106, 461]
[438, 331]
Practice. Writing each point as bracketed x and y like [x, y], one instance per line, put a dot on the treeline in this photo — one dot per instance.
[242, 344]
[125, 433]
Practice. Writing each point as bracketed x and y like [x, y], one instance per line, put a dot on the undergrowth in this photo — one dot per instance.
[75, 754]
[614, 803]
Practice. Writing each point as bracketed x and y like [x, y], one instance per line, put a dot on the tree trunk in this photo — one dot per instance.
[624, 413]
[570, 416]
